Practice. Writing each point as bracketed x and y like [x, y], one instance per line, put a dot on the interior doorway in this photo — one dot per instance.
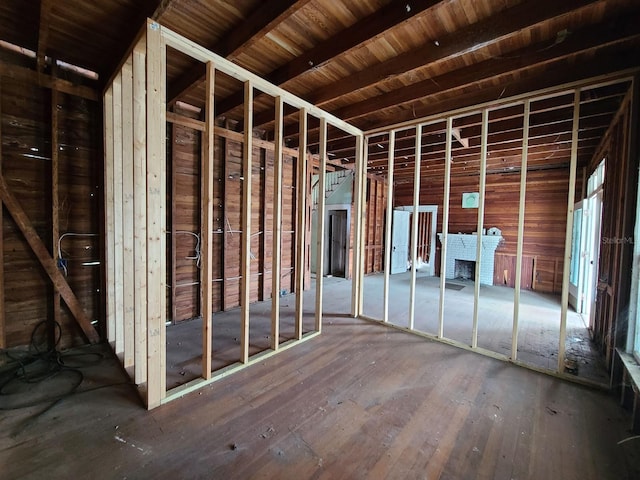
[337, 242]
[585, 247]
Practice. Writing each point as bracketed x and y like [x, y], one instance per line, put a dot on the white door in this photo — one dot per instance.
[593, 255]
[578, 241]
[400, 241]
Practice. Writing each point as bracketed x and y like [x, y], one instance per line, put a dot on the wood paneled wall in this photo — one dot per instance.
[29, 141]
[376, 200]
[185, 151]
[545, 221]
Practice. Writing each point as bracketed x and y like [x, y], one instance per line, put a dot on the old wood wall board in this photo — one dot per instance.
[3, 341]
[55, 199]
[46, 260]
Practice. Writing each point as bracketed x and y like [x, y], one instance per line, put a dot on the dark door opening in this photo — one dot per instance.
[337, 236]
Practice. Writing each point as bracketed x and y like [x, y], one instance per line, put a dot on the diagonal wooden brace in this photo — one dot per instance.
[47, 261]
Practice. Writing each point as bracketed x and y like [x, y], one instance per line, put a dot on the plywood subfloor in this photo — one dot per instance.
[361, 401]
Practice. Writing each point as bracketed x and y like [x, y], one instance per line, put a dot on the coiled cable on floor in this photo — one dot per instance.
[43, 373]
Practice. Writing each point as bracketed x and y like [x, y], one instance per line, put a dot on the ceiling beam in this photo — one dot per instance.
[362, 31]
[43, 33]
[477, 35]
[261, 21]
[536, 56]
[560, 74]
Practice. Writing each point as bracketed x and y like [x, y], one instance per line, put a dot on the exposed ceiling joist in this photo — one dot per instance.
[477, 35]
[43, 33]
[257, 25]
[364, 30]
[540, 55]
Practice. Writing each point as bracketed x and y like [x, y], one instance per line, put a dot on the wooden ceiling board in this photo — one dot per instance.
[84, 33]
[19, 23]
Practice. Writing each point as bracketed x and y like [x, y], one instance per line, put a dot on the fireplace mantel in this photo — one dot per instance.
[462, 246]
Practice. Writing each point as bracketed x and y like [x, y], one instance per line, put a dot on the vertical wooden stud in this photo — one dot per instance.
[245, 267]
[520, 244]
[118, 292]
[566, 268]
[156, 215]
[301, 222]
[445, 225]
[276, 251]
[415, 223]
[3, 341]
[206, 224]
[128, 298]
[358, 224]
[321, 223]
[388, 231]
[55, 200]
[140, 210]
[109, 214]
[363, 221]
[483, 184]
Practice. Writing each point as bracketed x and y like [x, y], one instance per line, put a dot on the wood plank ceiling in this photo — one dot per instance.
[372, 63]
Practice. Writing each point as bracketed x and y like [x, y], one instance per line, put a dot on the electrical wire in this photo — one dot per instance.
[198, 256]
[43, 374]
[62, 262]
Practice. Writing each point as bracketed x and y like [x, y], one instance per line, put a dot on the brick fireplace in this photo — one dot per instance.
[462, 247]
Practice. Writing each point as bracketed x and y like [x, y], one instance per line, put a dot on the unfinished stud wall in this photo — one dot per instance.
[546, 212]
[139, 219]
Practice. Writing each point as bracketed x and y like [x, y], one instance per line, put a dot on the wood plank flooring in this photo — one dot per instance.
[362, 401]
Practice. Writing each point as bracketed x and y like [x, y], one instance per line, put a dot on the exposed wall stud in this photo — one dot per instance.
[414, 226]
[276, 252]
[566, 270]
[445, 225]
[128, 298]
[388, 230]
[140, 210]
[358, 252]
[206, 223]
[245, 263]
[320, 215]
[156, 216]
[521, 213]
[302, 217]
[118, 251]
[483, 184]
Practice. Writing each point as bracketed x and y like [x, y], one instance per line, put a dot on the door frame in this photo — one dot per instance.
[433, 209]
[327, 239]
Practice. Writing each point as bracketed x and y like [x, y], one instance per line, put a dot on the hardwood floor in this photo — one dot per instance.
[360, 401]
